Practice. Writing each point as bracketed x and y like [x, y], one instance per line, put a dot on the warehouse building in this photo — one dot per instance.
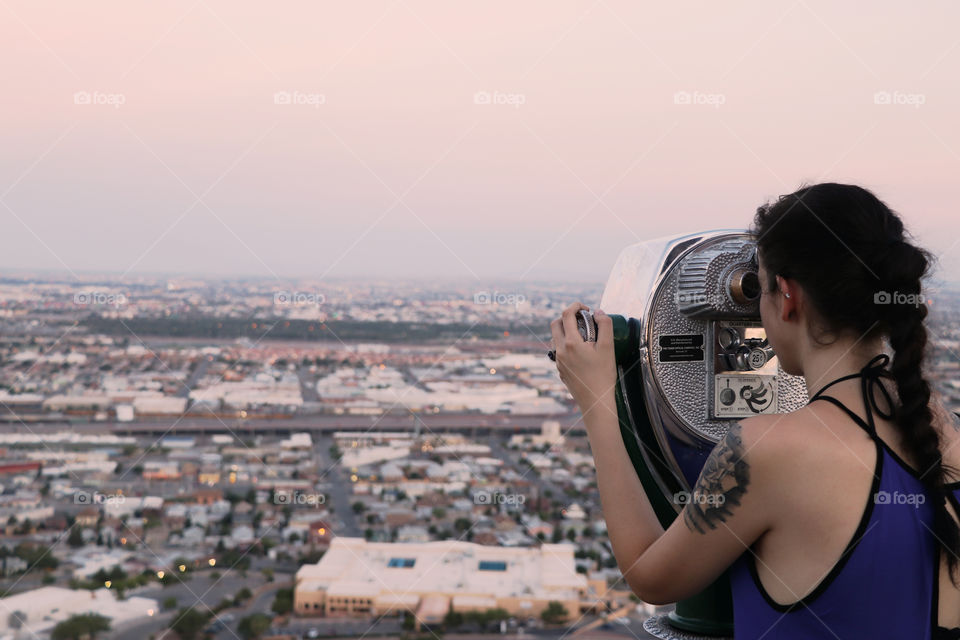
[360, 578]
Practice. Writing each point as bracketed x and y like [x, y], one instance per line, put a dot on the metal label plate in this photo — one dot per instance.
[739, 395]
[681, 347]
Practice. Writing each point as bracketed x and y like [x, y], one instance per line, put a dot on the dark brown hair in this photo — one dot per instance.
[850, 253]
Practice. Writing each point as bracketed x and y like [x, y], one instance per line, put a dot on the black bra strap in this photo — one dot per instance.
[870, 376]
[855, 417]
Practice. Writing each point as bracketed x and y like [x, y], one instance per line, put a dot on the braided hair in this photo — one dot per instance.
[863, 276]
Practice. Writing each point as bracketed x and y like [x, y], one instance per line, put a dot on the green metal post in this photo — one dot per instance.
[710, 612]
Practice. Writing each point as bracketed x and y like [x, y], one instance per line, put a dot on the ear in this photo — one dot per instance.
[788, 305]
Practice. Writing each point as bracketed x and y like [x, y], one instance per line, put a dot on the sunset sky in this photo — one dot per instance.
[450, 139]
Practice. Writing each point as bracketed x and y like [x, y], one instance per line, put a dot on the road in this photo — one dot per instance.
[343, 627]
[337, 489]
[198, 372]
[475, 424]
[308, 383]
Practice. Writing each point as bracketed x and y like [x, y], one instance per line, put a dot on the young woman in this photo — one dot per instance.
[838, 520]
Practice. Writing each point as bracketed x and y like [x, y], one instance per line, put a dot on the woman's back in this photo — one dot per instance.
[947, 594]
[855, 542]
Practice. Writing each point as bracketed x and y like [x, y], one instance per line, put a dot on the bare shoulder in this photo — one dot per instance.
[764, 448]
[761, 443]
[785, 446]
[756, 440]
[774, 436]
[741, 470]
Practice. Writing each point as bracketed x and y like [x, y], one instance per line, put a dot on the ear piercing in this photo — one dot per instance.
[786, 295]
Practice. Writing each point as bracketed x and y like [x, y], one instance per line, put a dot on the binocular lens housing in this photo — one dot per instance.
[744, 286]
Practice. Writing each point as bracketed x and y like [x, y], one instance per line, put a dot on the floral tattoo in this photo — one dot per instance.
[721, 484]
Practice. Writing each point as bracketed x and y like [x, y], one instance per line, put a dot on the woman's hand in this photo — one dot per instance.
[587, 368]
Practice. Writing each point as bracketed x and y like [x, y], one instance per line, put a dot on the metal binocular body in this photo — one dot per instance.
[692, 357]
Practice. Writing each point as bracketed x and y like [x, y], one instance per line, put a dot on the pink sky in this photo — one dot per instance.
[389, 166]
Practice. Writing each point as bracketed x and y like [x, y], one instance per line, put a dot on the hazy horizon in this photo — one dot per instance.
[424, 140]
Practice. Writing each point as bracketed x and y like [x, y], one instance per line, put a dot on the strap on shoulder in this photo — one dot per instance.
[870, 376]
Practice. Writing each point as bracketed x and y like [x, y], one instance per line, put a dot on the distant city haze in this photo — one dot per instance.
[405, 139]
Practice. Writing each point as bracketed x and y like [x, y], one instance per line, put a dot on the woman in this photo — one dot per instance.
[837, 520]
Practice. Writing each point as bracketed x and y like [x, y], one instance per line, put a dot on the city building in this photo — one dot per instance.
[360, 578]
[41, 609]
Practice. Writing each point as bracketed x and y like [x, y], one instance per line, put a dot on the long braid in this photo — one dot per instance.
[824, 236]
[913, 417]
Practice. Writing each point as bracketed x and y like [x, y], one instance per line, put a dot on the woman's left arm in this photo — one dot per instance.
[724, 514]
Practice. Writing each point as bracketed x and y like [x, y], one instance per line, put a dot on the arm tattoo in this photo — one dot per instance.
[721, 484]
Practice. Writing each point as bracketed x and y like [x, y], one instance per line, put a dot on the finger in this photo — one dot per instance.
[556, 332]
[570, 320]
[604, 328]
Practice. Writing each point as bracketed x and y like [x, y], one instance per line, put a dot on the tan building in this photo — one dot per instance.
[208, 476]
[360, 578]
[88, 516]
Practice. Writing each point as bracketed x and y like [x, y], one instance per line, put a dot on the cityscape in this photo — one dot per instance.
[279, 357]
[186, 453]
[230, 459]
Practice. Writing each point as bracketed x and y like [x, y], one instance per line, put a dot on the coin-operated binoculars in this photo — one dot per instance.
[691, 358]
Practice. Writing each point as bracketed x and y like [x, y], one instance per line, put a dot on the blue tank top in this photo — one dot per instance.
[885, 583]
